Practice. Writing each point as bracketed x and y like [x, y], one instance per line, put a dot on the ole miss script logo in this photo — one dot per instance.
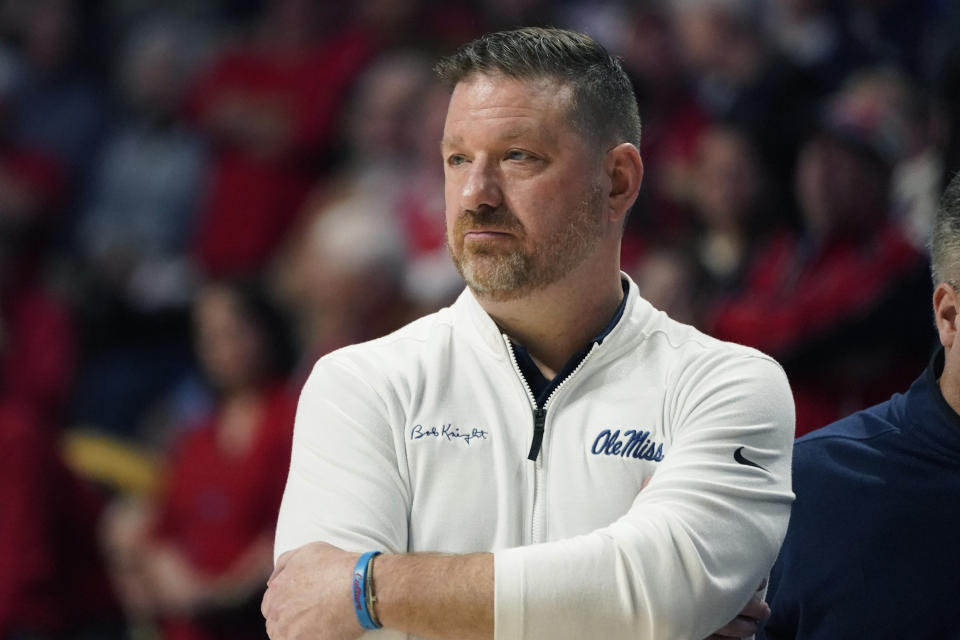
[632, 443]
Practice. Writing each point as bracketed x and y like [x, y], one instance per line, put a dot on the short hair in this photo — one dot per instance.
[945, 239]
[603, 105]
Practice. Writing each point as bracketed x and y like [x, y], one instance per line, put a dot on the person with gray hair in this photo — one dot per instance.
[945, 239]
[550, 456]
[871, 549]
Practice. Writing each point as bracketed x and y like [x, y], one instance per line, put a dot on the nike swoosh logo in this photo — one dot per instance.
[738, 456]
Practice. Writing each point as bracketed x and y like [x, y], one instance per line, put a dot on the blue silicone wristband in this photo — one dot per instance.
[360, 591]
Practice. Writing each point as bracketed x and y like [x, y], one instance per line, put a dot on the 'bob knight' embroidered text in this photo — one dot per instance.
[632, 443]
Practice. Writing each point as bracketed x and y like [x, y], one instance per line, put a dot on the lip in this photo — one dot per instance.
[485, 234]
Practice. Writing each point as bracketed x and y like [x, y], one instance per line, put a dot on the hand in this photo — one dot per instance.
[245, 578]
[309, 595]
[177, 587]
[748, 621]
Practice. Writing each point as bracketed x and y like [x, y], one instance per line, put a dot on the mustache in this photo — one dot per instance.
[489, 218]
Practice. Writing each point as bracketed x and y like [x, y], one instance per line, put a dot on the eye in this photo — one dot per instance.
[456, 160]
[517, 155]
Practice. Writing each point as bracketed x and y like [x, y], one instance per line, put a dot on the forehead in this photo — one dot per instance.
[505, 105]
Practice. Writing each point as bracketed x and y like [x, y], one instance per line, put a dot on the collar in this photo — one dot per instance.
[931, 417]
[539, 384]
[468, 312]
[932, 375]
[598, 339]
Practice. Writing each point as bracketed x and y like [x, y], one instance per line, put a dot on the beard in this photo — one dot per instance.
[504, 273]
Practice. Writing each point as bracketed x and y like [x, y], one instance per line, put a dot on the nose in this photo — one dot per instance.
[481, 186]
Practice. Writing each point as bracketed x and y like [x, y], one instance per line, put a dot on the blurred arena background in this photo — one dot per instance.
[200, 198]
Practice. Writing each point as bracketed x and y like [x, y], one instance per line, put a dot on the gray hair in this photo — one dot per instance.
[945, 240]
[603, 106]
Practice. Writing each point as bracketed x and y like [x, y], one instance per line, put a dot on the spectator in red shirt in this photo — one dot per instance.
[199, 563]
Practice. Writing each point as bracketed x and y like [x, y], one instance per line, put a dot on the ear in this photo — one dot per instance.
[946, 313]
[624, 168]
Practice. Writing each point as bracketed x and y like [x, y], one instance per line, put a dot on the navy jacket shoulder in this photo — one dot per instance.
[871, 551]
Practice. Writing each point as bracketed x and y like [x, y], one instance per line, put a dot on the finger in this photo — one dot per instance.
[265, 604]
[739, 627]
[756, 608]
[280, 565]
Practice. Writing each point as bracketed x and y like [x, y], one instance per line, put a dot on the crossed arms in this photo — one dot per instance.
[687, 555]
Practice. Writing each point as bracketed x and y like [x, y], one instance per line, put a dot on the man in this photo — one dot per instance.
[871, 551]
[513, 432]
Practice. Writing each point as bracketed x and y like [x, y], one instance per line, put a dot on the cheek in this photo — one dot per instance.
[451, 205]
[541, 204]
[453, 212]
[453, 238]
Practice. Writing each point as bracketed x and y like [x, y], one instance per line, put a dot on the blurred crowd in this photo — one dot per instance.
[199, 199]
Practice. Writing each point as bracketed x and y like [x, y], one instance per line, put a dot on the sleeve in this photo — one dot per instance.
[798, 585]
[696, 542]
[345, 486]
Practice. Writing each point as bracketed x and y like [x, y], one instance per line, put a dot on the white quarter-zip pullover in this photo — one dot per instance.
[418, 441]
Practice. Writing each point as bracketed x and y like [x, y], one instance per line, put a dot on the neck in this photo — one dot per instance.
[239, 416]
[556, 321]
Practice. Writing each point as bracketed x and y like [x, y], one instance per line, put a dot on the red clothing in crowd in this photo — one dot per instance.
[37, 341]
[216, 505]
[827, 314]
[52, 578]
[37, 353]
[288, 103]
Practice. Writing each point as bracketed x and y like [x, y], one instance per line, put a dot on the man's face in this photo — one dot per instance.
[524, 205]
[838, 187]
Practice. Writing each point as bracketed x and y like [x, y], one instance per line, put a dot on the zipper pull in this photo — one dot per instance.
[539, 418]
